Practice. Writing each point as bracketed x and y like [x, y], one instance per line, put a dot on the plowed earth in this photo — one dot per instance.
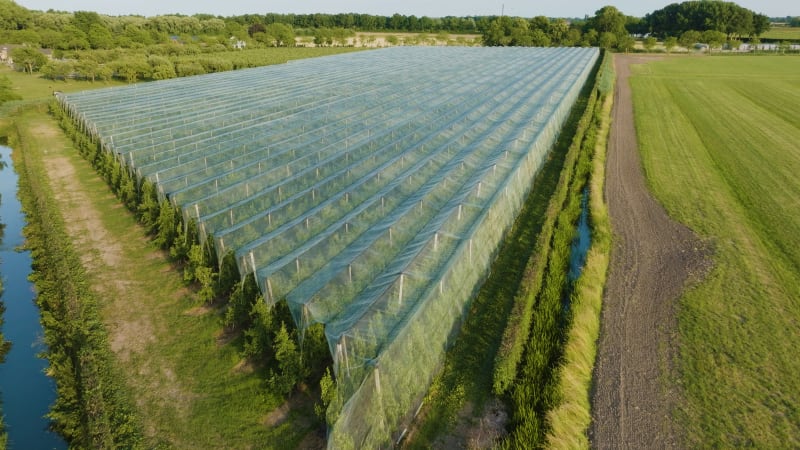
[653, 258]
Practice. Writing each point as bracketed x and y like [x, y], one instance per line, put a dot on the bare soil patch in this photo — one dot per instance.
[131, 328]
[653, 258]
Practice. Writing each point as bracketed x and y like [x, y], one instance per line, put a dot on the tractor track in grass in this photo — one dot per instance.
[653, 258]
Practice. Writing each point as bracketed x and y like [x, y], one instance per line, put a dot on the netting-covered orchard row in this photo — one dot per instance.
[368, 190]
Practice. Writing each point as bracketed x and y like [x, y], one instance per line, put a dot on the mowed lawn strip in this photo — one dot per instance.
[719, 141]
[788, 33]
[186, 378]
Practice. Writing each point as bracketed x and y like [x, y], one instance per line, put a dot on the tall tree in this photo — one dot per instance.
[608, 19]
[100, 37]
[6, 95]
[725, 17]
[31, 59]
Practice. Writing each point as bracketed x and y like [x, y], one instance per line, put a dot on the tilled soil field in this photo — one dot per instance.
[653, 257]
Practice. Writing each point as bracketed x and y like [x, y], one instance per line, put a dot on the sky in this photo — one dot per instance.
[430, 8]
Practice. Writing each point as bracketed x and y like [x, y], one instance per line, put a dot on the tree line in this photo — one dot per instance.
[269, 335]
[725, 17]
[711, 22]
[62, 30]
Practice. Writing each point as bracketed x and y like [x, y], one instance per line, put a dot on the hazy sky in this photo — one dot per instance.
[431, 8]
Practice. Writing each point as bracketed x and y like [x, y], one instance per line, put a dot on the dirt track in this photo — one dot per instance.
[652, 258]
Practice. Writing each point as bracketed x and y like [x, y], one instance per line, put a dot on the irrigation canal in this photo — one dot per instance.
[25, 391]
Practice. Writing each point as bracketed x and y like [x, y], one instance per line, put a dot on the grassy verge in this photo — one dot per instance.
[535, 388]
[719, 138]
[782, 33]
[93, 408]
[569, 421]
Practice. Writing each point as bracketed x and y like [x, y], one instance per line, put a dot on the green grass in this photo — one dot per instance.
[569, 421]
[719, 140]
[783, 33]
[34, 87]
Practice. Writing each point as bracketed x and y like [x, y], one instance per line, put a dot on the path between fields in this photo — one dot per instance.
[130, 328]
[653, 256]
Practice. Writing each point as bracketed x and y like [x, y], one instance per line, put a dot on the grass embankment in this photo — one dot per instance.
[719, 141]
[4, 344]
[93, 409]
[186, 378]
[459, 394]
[569, 420]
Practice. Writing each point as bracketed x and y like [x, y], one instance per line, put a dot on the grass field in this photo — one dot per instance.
[719, 140]
[783, 33]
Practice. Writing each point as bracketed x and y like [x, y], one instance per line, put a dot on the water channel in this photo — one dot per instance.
[25, 391]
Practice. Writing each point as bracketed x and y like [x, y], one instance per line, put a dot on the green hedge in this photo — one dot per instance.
[93, 408]
[216, 279]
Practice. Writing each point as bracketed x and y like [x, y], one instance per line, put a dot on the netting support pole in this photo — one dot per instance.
[253, 261]
[436, 242]
[269, 290]
[400, 294]
[197, 210]
[380, 398]
[346, 359]
[350, 273]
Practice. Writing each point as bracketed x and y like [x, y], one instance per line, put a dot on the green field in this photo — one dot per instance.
[783, 33]
[719, 140]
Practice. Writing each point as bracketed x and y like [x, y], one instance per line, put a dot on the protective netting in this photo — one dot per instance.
[369, 190]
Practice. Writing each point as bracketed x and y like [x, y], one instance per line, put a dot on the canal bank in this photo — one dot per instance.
[26, 391]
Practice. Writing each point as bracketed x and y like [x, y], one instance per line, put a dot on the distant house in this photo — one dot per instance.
[5, 53]
[238, 44]
[5, 57]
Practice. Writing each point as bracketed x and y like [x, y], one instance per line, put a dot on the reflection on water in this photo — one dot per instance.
[26, 392]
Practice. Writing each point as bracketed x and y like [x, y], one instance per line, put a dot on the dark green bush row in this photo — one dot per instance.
[93, 408]
[269, 334]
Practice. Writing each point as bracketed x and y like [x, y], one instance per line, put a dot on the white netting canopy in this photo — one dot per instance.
[369, 190]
